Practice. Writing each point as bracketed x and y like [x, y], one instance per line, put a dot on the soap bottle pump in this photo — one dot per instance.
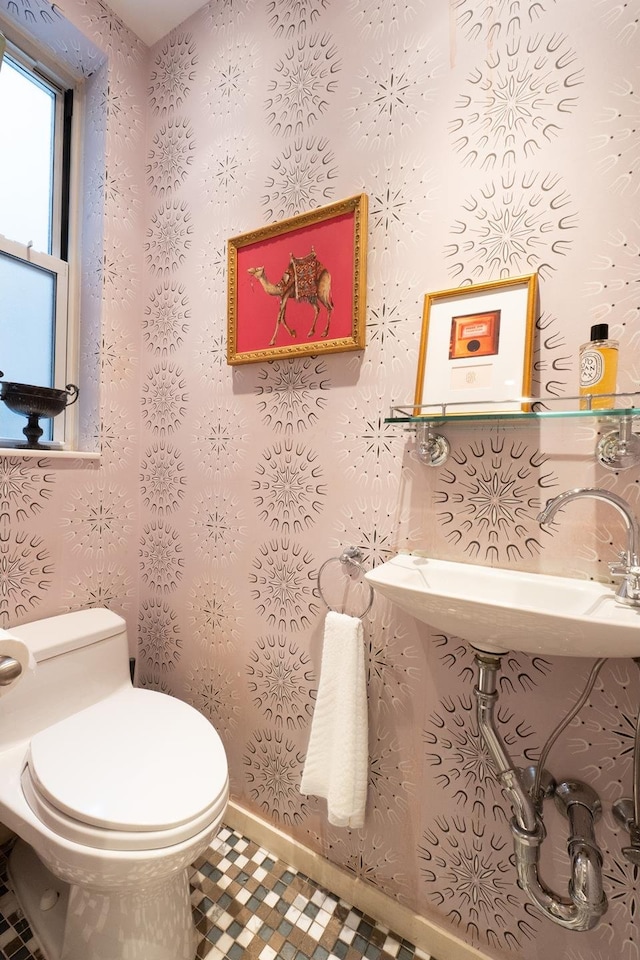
[598, 369]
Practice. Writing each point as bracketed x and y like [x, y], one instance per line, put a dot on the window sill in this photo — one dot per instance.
[49, 454]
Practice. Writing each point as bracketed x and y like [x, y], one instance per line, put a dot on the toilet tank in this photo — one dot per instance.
[81, 658]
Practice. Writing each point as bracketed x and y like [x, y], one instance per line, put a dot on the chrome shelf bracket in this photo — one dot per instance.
[432, 448]
[620, 448]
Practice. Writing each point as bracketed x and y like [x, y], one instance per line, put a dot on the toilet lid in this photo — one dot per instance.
[137, 761]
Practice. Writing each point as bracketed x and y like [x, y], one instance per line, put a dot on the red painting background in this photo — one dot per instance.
[333, 242]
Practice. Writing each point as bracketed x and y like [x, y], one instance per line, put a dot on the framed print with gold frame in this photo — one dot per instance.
[476, 348]
[298, 288]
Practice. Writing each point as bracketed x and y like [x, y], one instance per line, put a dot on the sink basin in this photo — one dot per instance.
[497, 610]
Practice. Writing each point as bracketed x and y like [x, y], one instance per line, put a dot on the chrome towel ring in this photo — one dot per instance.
[353, 556]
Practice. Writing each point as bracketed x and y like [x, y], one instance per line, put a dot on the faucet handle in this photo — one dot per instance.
[620, 567]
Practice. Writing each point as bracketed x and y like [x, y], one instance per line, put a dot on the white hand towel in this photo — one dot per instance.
[10, 646]
[336, 766]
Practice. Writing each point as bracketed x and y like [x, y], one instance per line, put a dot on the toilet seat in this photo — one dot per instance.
[136, 771]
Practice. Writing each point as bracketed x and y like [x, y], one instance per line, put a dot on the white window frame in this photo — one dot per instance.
[67, 272]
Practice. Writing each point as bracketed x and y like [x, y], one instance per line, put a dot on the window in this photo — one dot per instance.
[35, 117]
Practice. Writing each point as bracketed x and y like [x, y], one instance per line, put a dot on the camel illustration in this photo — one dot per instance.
[304, 279]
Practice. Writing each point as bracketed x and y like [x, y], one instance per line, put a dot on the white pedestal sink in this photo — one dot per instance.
[498, 610]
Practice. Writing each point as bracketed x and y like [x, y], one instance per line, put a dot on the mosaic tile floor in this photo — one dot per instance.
[248, 904]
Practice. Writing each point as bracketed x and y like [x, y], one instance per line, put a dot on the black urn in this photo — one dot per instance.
[34, 402]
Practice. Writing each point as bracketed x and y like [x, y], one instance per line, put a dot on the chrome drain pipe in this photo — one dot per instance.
[486, 694]
[586, 902]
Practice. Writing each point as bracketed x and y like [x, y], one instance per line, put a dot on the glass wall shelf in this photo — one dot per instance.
[530, 408]
[616, 450]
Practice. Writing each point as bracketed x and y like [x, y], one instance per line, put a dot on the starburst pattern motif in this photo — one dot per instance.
[301, 178]
[281, 681]
[221, 437]
[123, 111]
[391, 343]
[621, 881]
[212, 263]
[467, 871]
[617, 276]
[92, 285]
[215, 613]
[170, 156]
[159, 640]
[289, 489]
[118, 359]
[231, 77]
[109, 585]
[489, 497]
[603, 733]
[517, 101]
[149, 682]
[89, 431]
[164, 398]
[161, 556]
[100, 517]
[391, 780]
[210, 355]
[369, 858]
[114, 435]
[213, 691]
[224, 15]
[498, 19]
[306, 77]
[619, 140]
[290, 17]
[166, 319]
[368, 448]
[519, 673]
[168, 237]
[217, 526]
[172, 74]
[283, 585]
[34, 12]
[392, 94]
[229, 168]
[553, 362]
[622, 18]
[401, 201]
[120, 192]
[364, 525]
[461, 762]
[25, 574]
[79, 55]
[25, 487]
[292, 393]
[112, 33]
[377, 18]
[578, 954]
[163, 478]
[393, 674]
[520, 223]
[273, 768]
[119, 273]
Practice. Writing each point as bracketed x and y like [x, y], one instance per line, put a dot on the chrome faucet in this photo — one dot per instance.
[627, 566]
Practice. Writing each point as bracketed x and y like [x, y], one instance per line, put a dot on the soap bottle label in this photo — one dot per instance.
[591, 368]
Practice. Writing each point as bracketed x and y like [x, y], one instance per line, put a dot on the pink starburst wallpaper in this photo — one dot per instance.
[493, 138]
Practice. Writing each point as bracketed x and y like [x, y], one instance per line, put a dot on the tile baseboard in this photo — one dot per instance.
[427, 936]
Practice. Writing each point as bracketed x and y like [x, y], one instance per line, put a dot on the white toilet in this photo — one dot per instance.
[113, 792]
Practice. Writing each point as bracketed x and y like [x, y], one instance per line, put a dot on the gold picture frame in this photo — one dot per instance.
[476, 348]
[298, 288]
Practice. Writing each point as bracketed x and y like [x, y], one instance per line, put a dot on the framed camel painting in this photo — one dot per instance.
[298, 287]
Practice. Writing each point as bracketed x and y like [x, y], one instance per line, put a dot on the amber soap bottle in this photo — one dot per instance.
[598, 368]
